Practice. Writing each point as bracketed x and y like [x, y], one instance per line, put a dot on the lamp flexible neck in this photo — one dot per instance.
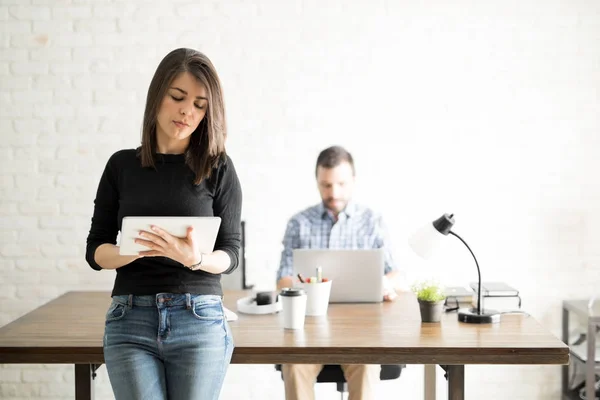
[479, 294]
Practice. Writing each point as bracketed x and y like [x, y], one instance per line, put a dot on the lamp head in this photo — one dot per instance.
[427, 239]
[444, 223]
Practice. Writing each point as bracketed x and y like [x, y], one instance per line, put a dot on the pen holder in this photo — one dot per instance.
[317, 297]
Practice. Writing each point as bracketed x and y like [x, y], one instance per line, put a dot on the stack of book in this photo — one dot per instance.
[497, 296]
[458, 297]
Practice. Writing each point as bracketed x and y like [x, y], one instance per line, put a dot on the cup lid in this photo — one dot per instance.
[292, 292]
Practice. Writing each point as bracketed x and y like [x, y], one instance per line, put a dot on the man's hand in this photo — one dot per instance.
[389, 293]
[390, 296]
[286, 281]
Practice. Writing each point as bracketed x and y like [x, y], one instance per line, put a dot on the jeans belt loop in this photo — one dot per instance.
[130, 301]
[188, 301]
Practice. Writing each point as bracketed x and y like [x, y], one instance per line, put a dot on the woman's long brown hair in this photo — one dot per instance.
[207, 143]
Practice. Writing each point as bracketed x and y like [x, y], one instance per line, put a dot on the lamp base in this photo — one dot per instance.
[470, 315]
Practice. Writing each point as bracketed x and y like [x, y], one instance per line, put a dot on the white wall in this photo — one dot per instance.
[487, 109]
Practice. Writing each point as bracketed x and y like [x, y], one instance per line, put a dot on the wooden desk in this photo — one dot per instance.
[69, 330]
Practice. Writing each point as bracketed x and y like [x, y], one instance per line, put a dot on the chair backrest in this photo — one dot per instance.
[334, 373]
[237, 279]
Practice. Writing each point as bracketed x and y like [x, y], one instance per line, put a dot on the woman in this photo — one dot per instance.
[166, 335]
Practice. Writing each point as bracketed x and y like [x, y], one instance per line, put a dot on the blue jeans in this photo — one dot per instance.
[167, 346]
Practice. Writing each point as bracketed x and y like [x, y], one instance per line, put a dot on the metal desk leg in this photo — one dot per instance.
[429, 381]
[84, 381]
[565, 338]
[590, 373]
[456, 382]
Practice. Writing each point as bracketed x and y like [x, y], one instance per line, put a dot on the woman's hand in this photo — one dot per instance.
[162, 244]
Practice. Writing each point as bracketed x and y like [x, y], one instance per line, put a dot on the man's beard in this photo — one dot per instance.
[335, 205]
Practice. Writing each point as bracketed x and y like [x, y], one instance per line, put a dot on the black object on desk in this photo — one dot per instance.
[264, 298]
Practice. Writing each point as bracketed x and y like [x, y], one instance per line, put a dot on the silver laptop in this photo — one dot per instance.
[357, 275]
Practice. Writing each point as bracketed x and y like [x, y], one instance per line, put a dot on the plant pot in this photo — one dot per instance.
[431, 311]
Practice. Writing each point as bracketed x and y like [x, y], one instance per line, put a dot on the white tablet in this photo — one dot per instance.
[206, 229]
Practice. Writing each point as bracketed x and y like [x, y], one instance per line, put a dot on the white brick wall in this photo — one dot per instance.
[485, 109]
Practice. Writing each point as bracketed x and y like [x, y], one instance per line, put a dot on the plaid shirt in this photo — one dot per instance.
[314, 228]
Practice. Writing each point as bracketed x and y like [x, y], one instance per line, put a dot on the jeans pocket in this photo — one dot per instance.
[210, 310]
[115, 312]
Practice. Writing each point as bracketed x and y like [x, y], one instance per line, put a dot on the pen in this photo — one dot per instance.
[301, 278]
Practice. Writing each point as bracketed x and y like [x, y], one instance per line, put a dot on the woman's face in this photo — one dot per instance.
[181, 110]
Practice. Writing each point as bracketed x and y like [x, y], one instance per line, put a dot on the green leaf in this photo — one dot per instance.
[428, 291]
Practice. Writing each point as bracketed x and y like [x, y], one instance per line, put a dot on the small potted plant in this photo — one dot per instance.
[430, 296]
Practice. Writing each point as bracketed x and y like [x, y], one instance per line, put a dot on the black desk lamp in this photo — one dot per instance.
[423, 243]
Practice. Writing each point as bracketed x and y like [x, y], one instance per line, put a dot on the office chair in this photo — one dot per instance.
[237, 279]
[335, 374]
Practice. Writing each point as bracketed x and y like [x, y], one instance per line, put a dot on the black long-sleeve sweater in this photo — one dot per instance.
[128, 189]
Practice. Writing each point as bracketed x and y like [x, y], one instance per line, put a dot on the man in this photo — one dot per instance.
[336, 223]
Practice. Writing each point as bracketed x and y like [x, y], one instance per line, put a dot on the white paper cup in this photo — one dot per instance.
[317, 297]
[293, 302]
